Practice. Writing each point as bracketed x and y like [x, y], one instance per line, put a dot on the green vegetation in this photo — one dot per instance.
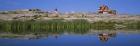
[62, 25]
[9, 36]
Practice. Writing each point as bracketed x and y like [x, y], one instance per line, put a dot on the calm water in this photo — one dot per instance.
[92, 38]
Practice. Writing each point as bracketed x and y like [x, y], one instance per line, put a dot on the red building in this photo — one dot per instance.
[105, 9]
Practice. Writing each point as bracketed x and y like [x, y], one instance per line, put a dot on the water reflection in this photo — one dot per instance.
[104, 37]
[72, 38]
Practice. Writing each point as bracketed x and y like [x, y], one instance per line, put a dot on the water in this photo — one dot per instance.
[91, 38]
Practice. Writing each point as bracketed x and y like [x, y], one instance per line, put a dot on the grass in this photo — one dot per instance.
[60, 26]
[9, 36]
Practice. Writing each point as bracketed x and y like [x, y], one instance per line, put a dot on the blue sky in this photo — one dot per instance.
[122, 6]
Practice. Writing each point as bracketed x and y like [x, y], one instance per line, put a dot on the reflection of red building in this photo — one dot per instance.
[105, 9]
[104, 37]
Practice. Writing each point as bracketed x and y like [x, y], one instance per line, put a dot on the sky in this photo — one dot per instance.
[122, 6]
